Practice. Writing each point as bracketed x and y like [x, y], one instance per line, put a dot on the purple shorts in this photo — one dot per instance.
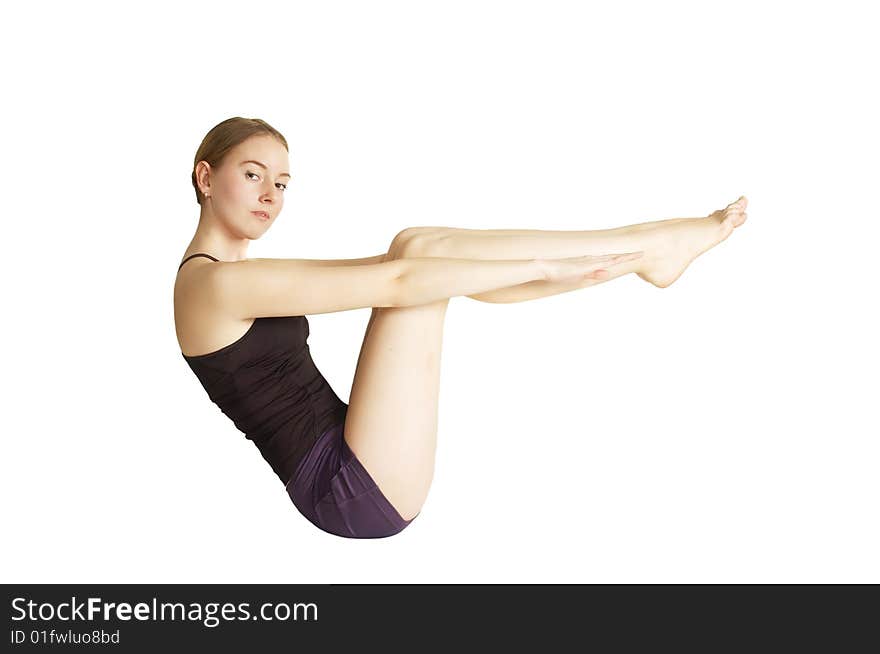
[334, 491]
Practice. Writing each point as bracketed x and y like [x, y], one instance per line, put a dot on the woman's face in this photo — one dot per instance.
[251, 178]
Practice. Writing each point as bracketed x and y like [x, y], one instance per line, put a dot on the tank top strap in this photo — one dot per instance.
[199, 254]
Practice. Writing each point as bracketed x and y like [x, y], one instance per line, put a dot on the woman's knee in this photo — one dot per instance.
[415, 242]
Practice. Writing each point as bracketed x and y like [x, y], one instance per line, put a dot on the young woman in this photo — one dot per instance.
[363, 469]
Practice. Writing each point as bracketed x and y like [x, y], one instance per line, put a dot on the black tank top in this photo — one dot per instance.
[268, 385]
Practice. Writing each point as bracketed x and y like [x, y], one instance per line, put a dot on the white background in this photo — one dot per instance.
[720, 430]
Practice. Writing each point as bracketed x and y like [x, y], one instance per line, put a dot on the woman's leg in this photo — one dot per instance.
[391, 423]
[669, 246]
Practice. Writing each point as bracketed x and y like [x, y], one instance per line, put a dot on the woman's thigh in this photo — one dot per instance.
[391, 422]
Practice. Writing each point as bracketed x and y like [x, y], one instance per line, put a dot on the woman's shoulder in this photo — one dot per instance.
[200, 327]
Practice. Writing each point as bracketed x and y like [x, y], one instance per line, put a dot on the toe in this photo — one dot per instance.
[740, 203]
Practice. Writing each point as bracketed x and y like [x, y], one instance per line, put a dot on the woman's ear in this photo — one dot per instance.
[203, 176]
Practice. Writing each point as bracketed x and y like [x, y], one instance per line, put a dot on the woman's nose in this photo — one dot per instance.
[271, 194]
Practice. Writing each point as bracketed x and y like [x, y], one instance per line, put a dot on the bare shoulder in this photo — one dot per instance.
[201, 328]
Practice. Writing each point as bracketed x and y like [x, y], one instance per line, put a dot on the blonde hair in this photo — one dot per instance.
[225, 136]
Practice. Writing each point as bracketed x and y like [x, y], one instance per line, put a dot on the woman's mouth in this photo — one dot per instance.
[262, 215]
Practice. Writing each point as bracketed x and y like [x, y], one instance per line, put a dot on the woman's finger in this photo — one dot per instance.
[627, 256]
[631, 255]
[603, 257]
[618, 259]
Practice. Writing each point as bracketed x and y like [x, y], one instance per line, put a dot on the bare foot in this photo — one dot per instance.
[681, 241]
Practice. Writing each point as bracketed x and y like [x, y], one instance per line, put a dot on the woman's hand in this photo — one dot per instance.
[574, 269]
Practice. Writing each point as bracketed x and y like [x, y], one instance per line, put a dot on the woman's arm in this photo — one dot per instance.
[324, 263]
[428, 279]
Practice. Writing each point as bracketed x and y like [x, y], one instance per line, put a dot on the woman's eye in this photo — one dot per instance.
[283, 187]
